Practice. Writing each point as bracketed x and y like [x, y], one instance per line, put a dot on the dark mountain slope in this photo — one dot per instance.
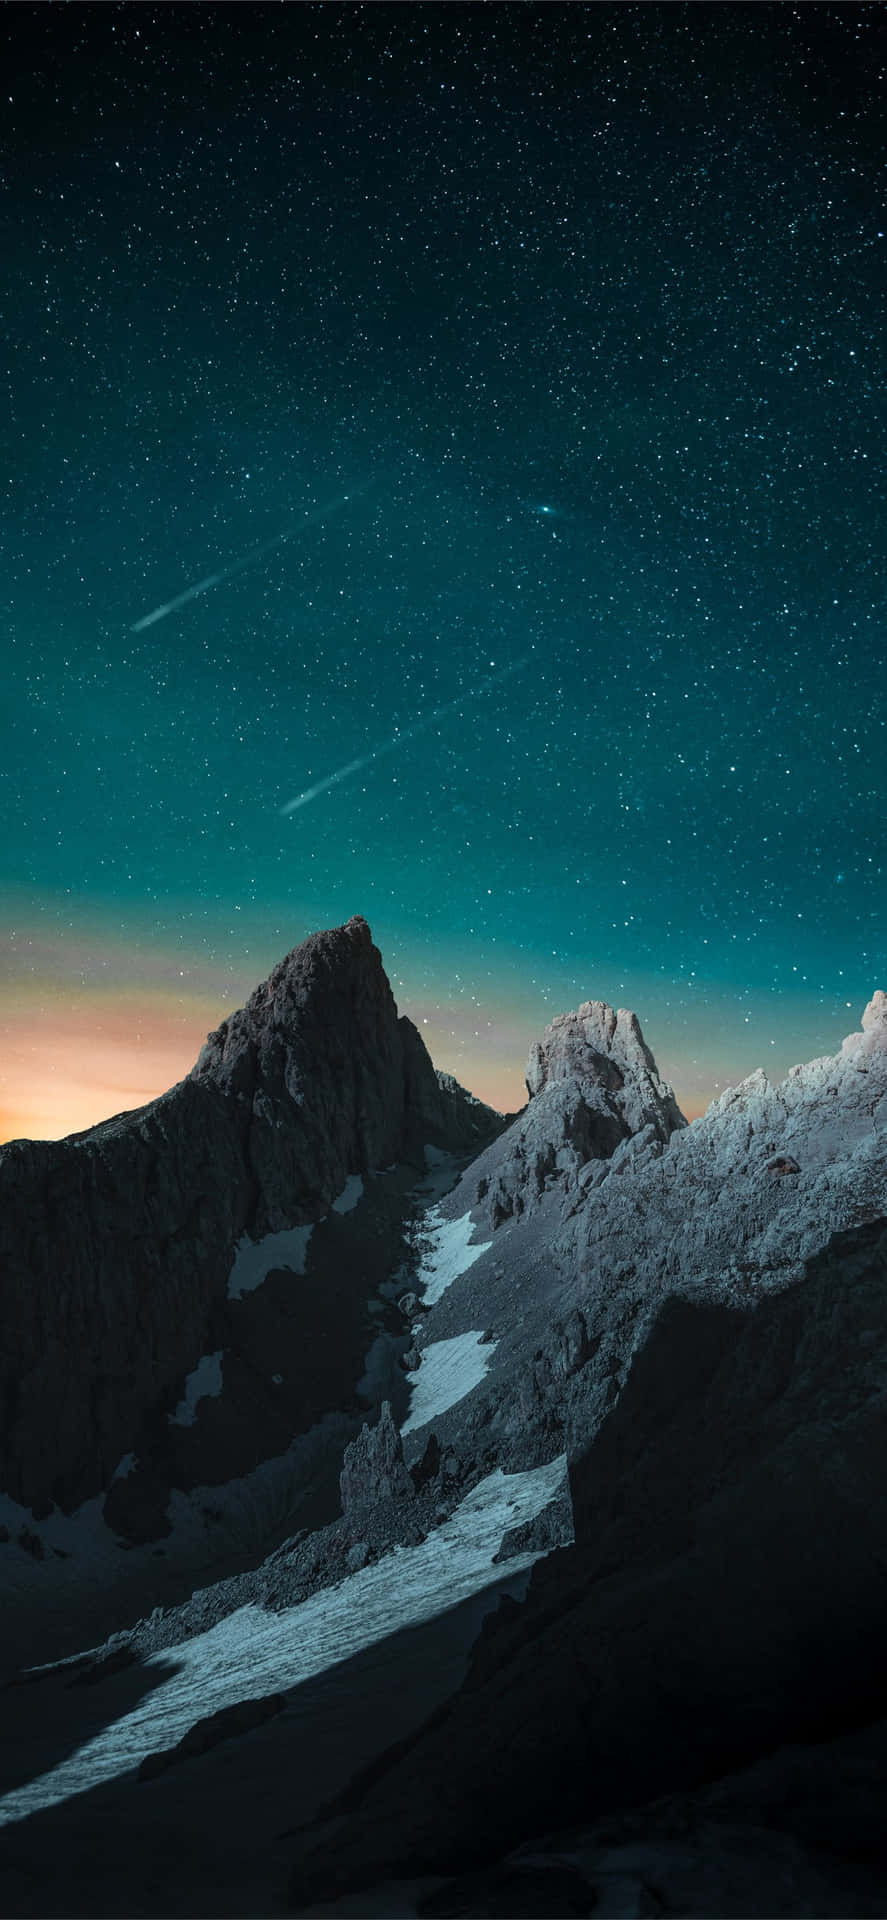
[117, 1245]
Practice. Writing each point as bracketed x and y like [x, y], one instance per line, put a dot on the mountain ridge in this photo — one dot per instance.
[633, 1369]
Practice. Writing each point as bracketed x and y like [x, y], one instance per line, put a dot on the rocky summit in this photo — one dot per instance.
[132, 1255]
[586, 1615]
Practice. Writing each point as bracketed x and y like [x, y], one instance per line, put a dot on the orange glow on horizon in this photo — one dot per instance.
[69, 1061]
[65, 1068]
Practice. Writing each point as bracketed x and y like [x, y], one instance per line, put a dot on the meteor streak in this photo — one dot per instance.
[400, 739]
[246, 560]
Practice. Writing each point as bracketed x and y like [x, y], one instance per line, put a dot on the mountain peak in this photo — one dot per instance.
[875, 1016]
[327, 973]
[596, 1043]
[593, 1084]
[309, 1088]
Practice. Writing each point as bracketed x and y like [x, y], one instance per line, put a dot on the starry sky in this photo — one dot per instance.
[508, 381]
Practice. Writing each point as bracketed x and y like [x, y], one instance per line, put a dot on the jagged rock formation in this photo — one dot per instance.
[593, 1084]
[116, 1245]
[373, 1469]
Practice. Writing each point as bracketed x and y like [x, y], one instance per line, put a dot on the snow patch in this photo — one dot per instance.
[350, 1194]
[253, 1652]
[124, 1467]
[449, 1370]
[255, 1259]
[450, 1255]
[205, 1383]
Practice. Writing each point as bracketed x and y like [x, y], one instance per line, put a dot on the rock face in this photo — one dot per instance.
[592, 1084]
[373, 1469]
[468, 1120]
[117, 1245]
[709, 1343]
[319, 1055]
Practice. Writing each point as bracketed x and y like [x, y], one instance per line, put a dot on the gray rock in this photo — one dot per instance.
[428, 1468]
[551, 1528]
[469, 1122]
[593, 1084]
[373, 1469]
[228, 1724]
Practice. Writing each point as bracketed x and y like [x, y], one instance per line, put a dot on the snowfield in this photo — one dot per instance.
[451, 1254]
[255, 1259]
[449, 1371]
[254, 1652]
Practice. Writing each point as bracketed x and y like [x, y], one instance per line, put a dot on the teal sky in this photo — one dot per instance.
[582, 309]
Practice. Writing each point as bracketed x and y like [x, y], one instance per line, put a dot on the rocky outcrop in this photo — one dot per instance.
[746, 1195]
[593, 1084]
[117, 1245]
[230, 1723]
[373, 1469]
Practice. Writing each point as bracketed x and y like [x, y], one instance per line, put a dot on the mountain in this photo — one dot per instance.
[589, 1618]
[702, 1322]
[149, 1268]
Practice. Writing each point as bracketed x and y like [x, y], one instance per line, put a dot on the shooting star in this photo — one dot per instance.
[246, 559]
[400, 739]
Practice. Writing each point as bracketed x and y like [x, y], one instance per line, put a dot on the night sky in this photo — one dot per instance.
[521, 361]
